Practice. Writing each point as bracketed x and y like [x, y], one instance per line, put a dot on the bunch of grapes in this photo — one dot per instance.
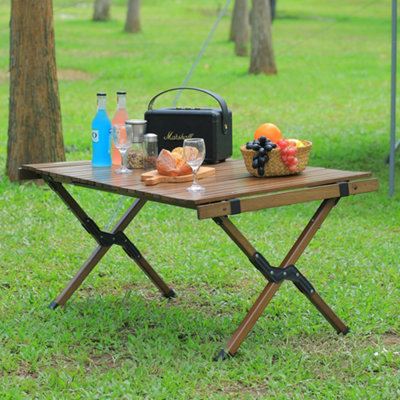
[288, 151]
[262, 146]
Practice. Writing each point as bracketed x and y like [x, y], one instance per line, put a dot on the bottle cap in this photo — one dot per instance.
[136, 122]
[150, 137]
[121, 92]
[101, 94]
[139, 128]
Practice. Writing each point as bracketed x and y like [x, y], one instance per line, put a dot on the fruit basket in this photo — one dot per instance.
[275, 166]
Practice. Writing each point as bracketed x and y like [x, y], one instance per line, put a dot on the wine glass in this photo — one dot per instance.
[122, 137]
[194, 151]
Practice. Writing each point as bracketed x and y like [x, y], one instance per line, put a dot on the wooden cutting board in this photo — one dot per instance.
[153, 177]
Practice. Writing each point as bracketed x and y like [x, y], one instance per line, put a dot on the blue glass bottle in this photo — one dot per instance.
[101, 134]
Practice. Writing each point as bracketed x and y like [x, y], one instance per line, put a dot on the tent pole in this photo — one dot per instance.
[393, 100]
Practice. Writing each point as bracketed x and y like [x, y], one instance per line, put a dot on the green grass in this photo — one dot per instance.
[116, 338]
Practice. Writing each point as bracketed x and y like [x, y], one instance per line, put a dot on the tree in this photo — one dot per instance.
[241, 27]
[34, 127]
[239, 30]
[272, 4]
[132, 23]
[101, 10]
[234, 20]
[262, 52]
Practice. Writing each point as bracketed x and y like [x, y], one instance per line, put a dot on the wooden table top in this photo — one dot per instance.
[231, 181]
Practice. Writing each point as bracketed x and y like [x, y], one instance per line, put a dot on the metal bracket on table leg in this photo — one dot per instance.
[106, 239]
[278, 275]
[273, 274]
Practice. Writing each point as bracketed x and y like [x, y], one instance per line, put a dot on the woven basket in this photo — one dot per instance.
[275, 166]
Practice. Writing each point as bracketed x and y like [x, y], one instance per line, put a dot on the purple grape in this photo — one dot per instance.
[262, 140]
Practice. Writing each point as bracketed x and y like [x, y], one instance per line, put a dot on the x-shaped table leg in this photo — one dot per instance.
[105, 240]
[285, 269]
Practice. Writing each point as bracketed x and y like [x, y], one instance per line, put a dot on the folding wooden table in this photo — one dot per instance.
[231, 191]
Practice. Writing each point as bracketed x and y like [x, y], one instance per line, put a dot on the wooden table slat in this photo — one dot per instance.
[231, 180]
[221, 208]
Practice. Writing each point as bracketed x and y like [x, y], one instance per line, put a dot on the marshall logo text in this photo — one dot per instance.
[175, 136]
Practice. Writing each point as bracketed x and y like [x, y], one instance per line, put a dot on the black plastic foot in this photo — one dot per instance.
[345, 332]
[222, 355]
[170, 294]
[53, 305]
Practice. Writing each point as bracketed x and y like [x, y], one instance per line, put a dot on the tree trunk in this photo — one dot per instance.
[242, 28]
[101, 10]
[34, 126]
[272, 4]
[262, 53]
[234, 22]
[132, 24]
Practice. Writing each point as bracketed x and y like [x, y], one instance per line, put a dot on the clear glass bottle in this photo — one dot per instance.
[101, 134]
[134, 156]
[120, 117]
[150, 150]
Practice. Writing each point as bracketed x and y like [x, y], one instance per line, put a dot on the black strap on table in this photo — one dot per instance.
[235, 206]
[344, 189]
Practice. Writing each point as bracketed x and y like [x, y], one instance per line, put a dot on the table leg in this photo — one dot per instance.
[272, 287]
[106, 240]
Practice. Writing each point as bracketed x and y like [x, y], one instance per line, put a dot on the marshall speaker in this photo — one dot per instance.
[173, 125]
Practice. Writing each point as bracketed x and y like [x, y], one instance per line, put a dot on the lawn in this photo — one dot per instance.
[116, 337]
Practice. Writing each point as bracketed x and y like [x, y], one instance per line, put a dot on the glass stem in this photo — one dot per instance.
[195, 182]
[123, 166]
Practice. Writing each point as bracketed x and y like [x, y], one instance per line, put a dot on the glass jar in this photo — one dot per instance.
[134, 156]
[150, 150]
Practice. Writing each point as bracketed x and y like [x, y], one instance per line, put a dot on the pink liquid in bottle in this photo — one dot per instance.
[120, 117]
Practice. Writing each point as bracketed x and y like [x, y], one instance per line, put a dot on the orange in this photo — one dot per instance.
[270, 131]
